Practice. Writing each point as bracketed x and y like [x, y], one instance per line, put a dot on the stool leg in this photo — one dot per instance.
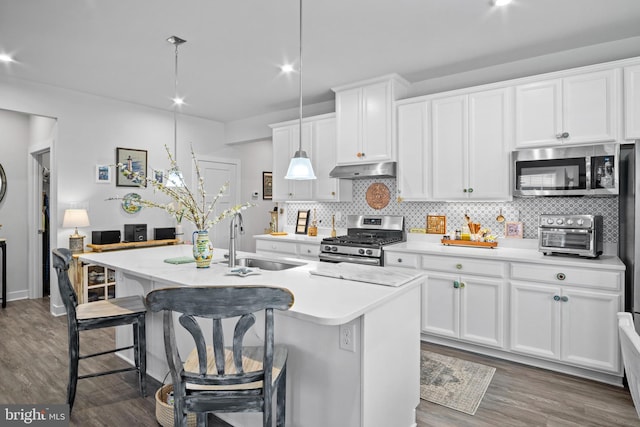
[281, 408]
[74, 356]
[141, 348]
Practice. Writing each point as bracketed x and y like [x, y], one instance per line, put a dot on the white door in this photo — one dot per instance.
[414, 151]
[538, 113]
[217, 172]
[450, 157]
[482, 311]
[488, 140]
[589, 329]
[589, 107]
[535, 319]
[441, 306]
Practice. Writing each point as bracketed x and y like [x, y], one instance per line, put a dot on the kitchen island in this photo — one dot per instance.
[354, 347]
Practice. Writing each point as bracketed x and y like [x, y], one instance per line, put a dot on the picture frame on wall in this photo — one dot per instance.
[267, 186]
[513, 230]
[135, 161]
[302, 222]
[103, 174]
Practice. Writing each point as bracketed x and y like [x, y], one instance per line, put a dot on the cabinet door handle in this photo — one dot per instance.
[333, 193]
[358, 155]
[462, 284]
[400, 199]
[456, 284]
[308, 251]
[564, 299]
[464, 190]
[561, 276]
[470, 190]
[562, 135]
[459, 266]
[556, 297]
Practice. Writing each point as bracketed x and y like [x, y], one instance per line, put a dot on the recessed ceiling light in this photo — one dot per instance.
[501, 2]
[287, 68]
[5, 58]
[178, 101]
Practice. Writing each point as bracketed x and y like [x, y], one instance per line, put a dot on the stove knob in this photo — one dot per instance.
[580, 221]
[327, 248]
[550, 221]
[559, 221]
[361, 251]
[334, 249]
[569, 221]
[369, 252]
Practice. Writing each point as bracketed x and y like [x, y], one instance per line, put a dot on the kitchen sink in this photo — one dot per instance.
[264, 264]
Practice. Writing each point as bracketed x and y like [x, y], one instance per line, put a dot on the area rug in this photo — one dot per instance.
[454, 383]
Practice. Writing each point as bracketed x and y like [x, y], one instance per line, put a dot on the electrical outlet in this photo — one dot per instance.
[338, 216]
[348, 337]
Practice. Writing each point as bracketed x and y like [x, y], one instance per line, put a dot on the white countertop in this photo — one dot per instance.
[499, 253]
[322, 300]
[292, 237]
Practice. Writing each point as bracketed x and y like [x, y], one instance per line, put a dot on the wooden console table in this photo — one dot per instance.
[3, 245]
[106, 286]
[131, 245]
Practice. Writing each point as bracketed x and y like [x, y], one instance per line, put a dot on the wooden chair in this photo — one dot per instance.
[218, 379]
[630, 343]
[96, 315]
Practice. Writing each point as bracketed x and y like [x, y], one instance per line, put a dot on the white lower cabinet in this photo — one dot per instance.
[464, 307]
[279, 248]
[572, 325]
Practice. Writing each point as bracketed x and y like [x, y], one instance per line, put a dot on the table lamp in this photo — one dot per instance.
[75, 218]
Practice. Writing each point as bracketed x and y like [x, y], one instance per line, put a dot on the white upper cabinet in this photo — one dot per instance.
[285, 144]
[319, 141]
[365, 120]
[570, 110]
[470, 146]
[414, 151]
[632, 102]
[323, 158]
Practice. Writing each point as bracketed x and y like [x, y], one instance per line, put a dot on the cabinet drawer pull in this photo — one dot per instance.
[459, 266]
[308, 251]
[564, 299]
[399, 260]
[561, 276]
[556, 297]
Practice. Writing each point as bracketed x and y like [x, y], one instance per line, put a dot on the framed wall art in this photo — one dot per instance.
[302, 223]
[513, 230]
[103, 174]
[267, 186]
[134, 161]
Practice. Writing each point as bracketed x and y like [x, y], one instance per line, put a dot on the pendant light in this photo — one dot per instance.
[175, 178]
[300, 166]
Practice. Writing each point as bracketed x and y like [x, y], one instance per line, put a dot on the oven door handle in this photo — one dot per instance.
[343, 258]
[564, 230]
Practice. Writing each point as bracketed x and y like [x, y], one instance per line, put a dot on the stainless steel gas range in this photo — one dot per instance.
[366, 236]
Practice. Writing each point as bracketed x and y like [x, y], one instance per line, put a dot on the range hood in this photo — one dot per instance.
[369, 170]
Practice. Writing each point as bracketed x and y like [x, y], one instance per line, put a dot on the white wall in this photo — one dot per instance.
[256, 158]
[89, 129]
[14, 137]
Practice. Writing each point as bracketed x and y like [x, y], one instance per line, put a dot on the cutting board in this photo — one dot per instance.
[386, 276]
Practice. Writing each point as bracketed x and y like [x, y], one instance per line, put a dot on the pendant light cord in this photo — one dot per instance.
[300, 82]
[175, 109]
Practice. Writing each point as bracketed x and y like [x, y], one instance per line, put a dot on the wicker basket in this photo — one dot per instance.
[164, 411]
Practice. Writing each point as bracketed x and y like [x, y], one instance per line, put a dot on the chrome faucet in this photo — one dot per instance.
[236, 221]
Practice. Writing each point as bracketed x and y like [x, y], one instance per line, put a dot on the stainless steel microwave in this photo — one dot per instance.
[589, 170]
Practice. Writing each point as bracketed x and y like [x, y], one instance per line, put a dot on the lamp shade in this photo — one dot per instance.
[300, 167]
[75, 218]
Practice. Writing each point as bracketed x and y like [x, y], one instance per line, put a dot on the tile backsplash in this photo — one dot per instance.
[526, 210]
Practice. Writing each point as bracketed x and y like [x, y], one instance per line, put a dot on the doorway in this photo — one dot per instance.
[216, 172]
[42, 205]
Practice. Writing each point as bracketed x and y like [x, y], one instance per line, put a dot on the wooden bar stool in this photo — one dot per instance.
[96, 315]
[218, 379]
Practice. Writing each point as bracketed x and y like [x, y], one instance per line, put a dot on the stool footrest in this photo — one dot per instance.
[104, 352]
[115, 371]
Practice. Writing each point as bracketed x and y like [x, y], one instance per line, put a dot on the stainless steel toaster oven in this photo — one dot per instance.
[570, 235]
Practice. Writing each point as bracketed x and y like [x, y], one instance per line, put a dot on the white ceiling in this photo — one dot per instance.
[229, 67]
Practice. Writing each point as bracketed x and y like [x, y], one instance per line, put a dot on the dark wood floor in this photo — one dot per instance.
[33, 369]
